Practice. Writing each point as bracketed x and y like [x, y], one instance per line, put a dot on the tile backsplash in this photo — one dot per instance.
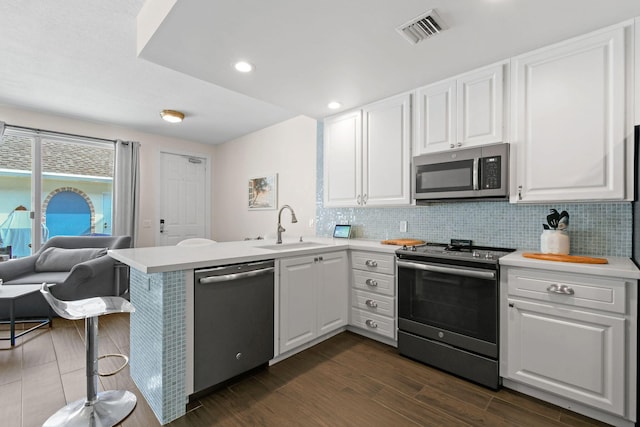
[598, 229]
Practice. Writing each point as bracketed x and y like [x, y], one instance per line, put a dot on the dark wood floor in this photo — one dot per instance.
[345, 381]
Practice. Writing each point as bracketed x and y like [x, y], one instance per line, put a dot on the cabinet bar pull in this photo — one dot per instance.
[371, 282]
[371, 303]
[562, 289]
[370, 323]
[371, 263]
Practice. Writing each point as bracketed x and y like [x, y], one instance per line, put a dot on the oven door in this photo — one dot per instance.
[450, 304]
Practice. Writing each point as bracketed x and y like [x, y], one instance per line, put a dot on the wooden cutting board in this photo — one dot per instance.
[400, 242]
[566, 258]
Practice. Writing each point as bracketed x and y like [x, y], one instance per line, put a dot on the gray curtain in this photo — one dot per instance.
[1, 129]
[126, 189]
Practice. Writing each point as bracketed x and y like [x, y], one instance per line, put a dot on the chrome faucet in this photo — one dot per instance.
[280, 227]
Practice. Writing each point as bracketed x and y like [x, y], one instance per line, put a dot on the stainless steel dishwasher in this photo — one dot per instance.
[233, 325]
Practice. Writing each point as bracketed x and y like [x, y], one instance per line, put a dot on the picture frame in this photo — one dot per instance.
[263, 193]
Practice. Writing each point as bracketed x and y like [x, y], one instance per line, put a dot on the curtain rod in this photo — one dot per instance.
[54, 133]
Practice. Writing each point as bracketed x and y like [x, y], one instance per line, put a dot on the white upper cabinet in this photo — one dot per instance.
[436, 117]
[461, 112]
[636, 84]
[367, 155]
[343, 160]
[568, 120]
[386, 164]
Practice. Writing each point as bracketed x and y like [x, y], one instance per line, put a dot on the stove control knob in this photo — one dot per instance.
[404, 247]
[476, 254]
[489, 255]
[413, 249]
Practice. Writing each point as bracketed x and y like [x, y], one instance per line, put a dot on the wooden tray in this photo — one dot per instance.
[566, 258]
[400, 242]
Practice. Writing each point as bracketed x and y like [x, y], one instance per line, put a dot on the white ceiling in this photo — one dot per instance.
[78, 58]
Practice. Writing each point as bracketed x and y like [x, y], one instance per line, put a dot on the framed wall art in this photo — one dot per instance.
[263, 193]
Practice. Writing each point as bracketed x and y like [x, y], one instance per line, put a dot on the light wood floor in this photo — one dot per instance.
[345, 381]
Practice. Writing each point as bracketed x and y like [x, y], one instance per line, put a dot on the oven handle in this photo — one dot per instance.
[448, 270]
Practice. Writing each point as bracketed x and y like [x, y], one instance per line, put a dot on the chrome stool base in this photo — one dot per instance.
[109, 408]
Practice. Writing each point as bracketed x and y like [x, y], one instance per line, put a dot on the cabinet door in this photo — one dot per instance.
[569, 119]
[387, 152]
[480, 106]
[297, 302]
[343, 160]
[435, 117]
[332, 291]
[576, 354]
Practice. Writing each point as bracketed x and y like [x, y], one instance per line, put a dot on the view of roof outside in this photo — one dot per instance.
[76, 192]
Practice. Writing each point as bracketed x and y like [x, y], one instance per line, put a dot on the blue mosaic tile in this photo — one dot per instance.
[597, 229]
[158, 341]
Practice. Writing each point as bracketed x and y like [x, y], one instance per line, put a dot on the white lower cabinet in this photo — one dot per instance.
[571, 336]
[570, 352]
[313, 297]
[373, 303]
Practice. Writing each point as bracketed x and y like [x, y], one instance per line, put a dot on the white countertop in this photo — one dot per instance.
[616, 267]
[173, 258]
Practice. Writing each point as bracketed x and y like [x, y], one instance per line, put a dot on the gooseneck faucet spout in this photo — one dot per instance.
[280, 227]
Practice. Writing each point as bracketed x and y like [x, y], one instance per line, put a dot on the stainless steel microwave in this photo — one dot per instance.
[470, 173]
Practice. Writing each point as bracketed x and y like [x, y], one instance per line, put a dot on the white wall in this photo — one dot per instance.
[288, 149]
[150, 147]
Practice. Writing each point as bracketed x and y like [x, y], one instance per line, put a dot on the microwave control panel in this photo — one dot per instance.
[490, 172]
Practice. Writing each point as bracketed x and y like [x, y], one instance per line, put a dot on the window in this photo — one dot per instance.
[69, 178]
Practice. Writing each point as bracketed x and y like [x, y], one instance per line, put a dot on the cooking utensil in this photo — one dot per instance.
[553, 218]
[546, 227]
[563, 221]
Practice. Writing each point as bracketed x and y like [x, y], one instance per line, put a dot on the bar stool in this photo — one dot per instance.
[106, 408]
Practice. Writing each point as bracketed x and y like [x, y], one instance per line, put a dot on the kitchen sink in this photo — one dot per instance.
[296, 245]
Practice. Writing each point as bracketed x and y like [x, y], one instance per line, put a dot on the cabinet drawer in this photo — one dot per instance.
[373, 303]
[376, 262]
[571, 289]
[373, 322]
[374, 282]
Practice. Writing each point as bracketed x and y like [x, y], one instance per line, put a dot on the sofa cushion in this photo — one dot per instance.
[51, 277]
[60, 259]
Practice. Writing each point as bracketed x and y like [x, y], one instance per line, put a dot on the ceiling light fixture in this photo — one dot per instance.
[172, 116]
[243, 66]
[334, 105]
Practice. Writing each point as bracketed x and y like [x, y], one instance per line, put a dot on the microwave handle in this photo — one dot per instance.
[476, 174]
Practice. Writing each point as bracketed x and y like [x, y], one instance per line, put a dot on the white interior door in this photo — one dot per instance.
[184, 205]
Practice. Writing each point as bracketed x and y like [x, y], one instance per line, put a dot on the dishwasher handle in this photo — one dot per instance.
[235, 276]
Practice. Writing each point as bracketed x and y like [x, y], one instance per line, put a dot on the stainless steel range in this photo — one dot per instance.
[448, 308]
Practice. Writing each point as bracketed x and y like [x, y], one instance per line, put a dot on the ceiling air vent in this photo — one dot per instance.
[422, 27]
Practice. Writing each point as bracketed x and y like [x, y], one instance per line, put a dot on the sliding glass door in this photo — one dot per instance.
[52, 185]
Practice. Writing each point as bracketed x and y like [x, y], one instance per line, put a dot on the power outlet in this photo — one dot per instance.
[403, 226]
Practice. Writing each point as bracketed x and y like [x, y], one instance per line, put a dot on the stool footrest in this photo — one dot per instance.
[124, 365]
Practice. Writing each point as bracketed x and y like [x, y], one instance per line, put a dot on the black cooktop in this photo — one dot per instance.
[457, 249]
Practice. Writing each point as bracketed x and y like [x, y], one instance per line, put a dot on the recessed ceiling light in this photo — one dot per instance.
[334, 105]
[243, 66]
[172, 116]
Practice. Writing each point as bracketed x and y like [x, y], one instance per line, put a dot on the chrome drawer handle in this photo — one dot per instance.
[371, 282]
[562, 289]
[371, 303]
[371, 324]
[371, 263]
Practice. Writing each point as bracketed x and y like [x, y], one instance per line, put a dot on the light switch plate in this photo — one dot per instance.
[403, 226]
